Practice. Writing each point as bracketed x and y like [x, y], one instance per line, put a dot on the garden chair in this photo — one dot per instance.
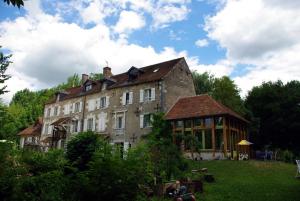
[298, 168]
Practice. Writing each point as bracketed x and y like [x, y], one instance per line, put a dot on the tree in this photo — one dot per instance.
[81, 148]
[17, 3]
[203, 82]
[4, 63]
[276, 107]
[227, 92]
[165, 156]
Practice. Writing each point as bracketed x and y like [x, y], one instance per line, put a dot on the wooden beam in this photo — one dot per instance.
[213, 136]
[225, 136]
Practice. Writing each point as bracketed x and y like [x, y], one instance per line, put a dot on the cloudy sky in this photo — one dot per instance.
[250, 41]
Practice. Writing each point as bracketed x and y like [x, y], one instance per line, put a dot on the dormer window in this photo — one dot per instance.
[88, 87]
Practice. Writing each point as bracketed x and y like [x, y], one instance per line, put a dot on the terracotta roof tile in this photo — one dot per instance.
[148, 74]
[34, 129]
[199, 106]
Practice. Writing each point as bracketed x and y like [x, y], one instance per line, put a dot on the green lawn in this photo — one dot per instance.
[250, 180]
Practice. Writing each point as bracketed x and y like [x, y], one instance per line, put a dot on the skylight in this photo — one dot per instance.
[155, 70]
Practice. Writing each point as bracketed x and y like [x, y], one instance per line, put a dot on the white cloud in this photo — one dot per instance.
[166, 14]
[259, 33]
[46, 50]
[129, 21]
[201, 43]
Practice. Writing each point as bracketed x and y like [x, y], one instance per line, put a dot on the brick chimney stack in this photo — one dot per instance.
[107, 72]
[84, 78]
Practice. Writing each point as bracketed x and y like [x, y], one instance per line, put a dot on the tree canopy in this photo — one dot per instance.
[4, 63]
[275, 108]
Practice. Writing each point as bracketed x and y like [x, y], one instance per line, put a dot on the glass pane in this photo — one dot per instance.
[208, 139]
[219, 121]
[199, 141]
[188, 140]
[187, 123]
[198, 122]
[219, 138]
[179, 124]
[208, 122]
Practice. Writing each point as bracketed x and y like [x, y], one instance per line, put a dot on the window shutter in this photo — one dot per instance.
[104, 121]
[141, 95]
[71, 127]
[126, 146]
[130, 97]
[141, 121]
[44, 129]
[100, 122]
[97, 103]
[79, 126]
[107, 101]
[80, 107]
[152, 94]
[58, 111]
[94, 124]
[124, 98]
[51, 111]
[73, 109]
[85, 125]
[70, 108]
[123, 121]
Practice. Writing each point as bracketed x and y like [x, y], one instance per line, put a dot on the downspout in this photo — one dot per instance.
[162, 98]
[83, 114]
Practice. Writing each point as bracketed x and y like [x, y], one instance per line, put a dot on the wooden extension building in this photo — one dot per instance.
[206, 129]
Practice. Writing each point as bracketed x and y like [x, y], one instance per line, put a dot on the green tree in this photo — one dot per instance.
[81, 148]
[204, 82]
[17, 3]
[227, 92]
[276, 106]
[165, 156]
[4, 63]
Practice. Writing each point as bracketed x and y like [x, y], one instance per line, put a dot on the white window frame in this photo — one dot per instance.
[103, 102]
[88, 126]
[77, 107]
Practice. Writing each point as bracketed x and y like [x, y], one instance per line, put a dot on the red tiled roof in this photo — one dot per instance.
[148, 74]
[61, 121]
[35, 129]
[199, 106]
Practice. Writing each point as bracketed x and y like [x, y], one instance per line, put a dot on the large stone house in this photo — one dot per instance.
[118, 107]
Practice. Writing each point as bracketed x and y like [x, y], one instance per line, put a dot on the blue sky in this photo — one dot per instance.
[250, 41]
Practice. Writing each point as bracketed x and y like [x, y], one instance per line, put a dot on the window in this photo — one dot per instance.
[90, 124]
[208, 122]
[127, 98]
[198, 122]
[75, 126]
[179, 124]
[147, 95]
[48, 112]
[56, 111]
[119, 122]
[199, 139]
[187, 123]
[102, 102]
[46, 128]
[77, 105]
[219, 138]
[88, 87]
[219, 121]
[147, 120]
[208, 139]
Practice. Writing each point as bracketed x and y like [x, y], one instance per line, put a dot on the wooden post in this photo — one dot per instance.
[173, 132]
[224, 136]
[213, 136]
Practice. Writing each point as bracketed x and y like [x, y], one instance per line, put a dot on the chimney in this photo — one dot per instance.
[107, 72]
[84, 78]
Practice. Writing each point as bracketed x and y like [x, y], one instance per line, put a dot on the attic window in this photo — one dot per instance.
[88, 87]
[155, 70]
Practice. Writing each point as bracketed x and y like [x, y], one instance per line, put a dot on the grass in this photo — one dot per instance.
[249, 180]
